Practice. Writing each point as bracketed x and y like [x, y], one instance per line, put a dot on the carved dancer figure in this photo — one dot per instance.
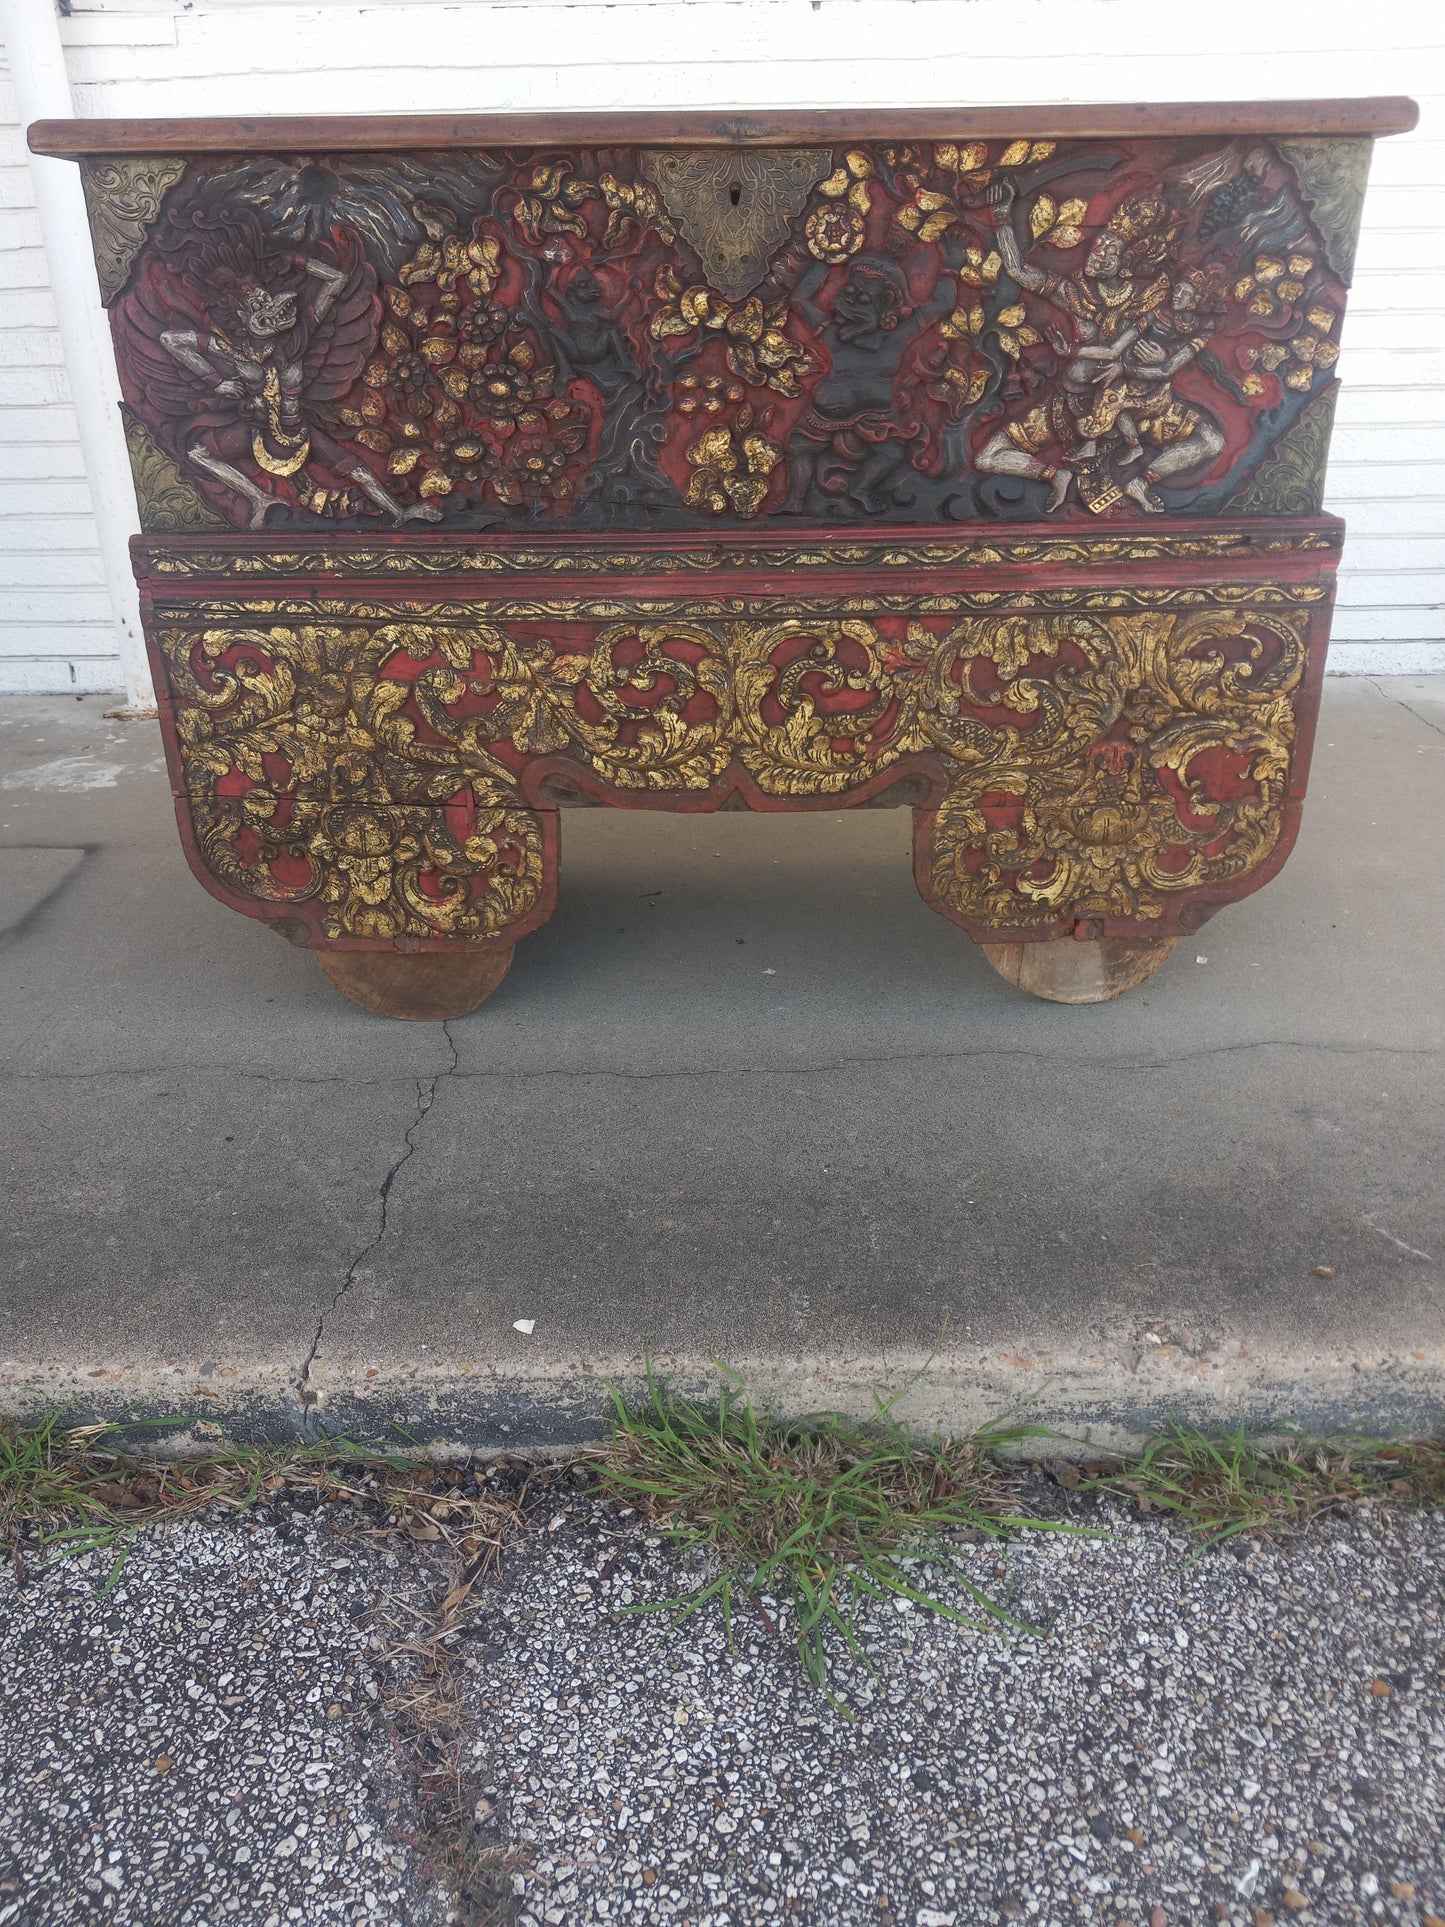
[1175, 435]
[263, 377]
[1108, 302]
[853, 440]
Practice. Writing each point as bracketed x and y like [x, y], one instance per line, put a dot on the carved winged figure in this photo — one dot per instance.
[241, 354]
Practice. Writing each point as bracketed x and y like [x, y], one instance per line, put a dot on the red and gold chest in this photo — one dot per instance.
[969, 462]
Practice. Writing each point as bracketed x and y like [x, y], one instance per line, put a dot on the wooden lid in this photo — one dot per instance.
[355, 133]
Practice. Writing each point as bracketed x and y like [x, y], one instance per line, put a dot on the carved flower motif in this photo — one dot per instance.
[529, 465]
[759, 350]
[500, 391]
[409, 372]
[835, 233]
[485, 322]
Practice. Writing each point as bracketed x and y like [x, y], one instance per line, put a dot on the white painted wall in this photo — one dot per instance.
[178, 57]
[57, 626]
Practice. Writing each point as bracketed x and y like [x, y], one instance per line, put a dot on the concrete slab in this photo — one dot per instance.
[744, 1097]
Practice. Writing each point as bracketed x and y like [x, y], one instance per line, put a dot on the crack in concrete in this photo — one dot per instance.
[426, 1090]
[1409, 707]
[1412, 1251]
[824, 1069]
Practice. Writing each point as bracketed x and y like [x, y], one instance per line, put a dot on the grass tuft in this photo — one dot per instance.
[1222, 1484]
[93, 1488]
[820, 1512]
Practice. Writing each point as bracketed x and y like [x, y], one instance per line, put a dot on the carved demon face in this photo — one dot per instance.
[1108, 807]
[867, 304]
[265, 315]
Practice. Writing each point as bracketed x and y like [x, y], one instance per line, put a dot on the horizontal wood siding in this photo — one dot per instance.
[143, 58]
[56, 630]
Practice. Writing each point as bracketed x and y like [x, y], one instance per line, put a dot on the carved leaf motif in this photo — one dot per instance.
[1332, 173]
[1291, 478]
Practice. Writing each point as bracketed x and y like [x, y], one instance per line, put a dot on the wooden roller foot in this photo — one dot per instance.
[1069, 972]
[425, 986]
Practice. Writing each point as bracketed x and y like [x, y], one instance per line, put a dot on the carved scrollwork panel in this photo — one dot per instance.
[1092, 764]
[309, 789]
[123, 195]
[1175, 781]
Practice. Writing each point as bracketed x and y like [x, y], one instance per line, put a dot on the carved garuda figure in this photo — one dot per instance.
[244, 351]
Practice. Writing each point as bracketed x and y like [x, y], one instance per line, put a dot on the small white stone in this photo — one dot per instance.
[526, 1326]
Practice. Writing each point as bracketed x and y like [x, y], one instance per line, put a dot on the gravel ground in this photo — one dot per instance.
[1256, 1735]
[202, 1744]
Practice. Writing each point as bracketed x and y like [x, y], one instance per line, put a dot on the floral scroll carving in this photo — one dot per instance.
[168, 502]
[308, 789]
[1143, 757]
[1086, 764]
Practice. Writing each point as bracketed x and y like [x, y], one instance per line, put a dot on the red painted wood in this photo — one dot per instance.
[1001, 462]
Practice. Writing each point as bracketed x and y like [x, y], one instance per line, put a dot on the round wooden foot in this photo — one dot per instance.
[426, 986]
[1069, 972]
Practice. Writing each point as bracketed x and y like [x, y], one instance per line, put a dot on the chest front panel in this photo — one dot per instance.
[621, 339]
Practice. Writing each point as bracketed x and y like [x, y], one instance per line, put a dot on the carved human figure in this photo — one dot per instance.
[263, 374]
[593, 343]
[1107, 302]
[1176, 436]
[852, 442]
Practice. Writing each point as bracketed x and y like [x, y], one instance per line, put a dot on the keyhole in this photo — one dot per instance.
[735, 193]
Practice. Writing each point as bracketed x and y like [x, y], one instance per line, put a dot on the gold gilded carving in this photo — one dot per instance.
[648, 708]
[306, 782]
[123, 196]
[734, 205]
[1095, 762]
[1332, 174]
[1158, 765]
[942, 552]
[168, 503]
[1291, 478]
[1241, 595]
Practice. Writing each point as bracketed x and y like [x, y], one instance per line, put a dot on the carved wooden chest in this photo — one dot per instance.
[963, 461]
